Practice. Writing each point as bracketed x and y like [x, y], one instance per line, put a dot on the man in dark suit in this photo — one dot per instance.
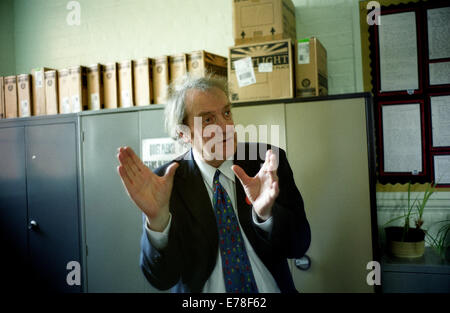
[204, 230]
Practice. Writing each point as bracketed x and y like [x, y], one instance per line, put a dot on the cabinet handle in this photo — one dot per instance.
[33, 225]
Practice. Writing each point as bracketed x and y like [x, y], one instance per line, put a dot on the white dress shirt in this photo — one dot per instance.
[264, 279]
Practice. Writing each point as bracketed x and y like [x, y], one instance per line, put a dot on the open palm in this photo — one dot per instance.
[262, 189]
[150, 192]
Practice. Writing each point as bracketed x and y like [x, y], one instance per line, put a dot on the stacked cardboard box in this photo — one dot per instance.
[125, 82]
[11, 97]
[143, 76]
[261, 65]
[2, 97]
[38, 90]
[110, 85]
[78, 89]
[260, 27]
[311, 68]
[64, 91]
[51, 92]
[177, 66]
[160, 79]
[24, 95]
[201, 62]
[261, 71]
[95, 87]
[263, 20]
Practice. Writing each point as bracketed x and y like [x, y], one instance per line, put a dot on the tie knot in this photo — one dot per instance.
[216, 177]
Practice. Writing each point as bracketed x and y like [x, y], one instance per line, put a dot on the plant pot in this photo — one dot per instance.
[413, 245]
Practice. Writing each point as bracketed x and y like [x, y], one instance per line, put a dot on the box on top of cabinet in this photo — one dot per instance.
[11, 96]
[51, 92]
[160, 79]
[2, 97]
[24, 95]
[38, 90]
[177, 66]
[125, 79]
[263, 20]
[78, 88]
[110, 86]
[201, 62]
[311, 68]
[261, 71]
[95, 87]
[143, 86]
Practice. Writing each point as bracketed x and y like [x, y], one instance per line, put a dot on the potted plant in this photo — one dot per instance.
[406, 241]
[441, 241]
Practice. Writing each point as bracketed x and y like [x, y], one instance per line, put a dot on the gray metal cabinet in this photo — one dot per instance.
[113, 223]
[39, 199]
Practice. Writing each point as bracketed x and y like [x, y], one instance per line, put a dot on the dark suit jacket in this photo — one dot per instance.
[190, 256]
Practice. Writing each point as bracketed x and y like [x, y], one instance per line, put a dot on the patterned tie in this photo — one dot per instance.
[237, 271]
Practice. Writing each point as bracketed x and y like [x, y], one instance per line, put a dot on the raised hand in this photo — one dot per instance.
[262, 189]
[148, 191]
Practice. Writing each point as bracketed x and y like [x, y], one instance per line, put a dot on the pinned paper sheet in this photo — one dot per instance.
[244, 72]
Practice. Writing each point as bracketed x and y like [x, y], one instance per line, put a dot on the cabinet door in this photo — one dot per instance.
[52, 185]
[268, 120]
[13, 206]
[113, 222]
[328, 154]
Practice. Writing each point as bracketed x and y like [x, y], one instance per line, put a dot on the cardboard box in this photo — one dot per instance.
[78, 88]
[263, 20]
[177, 66]
[160, 79]
[24, 95]
[126, 97]
[95, 87]
[10, 97]
[143, 76]
[200, 62]
[38, 90]
[2, 97]
[311, 68]
[64, 91]
[51, 92]
[261, 71]
[110, 86]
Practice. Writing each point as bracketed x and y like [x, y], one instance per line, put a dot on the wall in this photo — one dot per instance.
[7, 57]
[112, 30]
[336, 24]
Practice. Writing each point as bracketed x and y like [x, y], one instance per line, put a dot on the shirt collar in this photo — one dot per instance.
[208, 171]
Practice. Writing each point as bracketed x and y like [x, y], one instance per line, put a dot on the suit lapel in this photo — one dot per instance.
[192, 190]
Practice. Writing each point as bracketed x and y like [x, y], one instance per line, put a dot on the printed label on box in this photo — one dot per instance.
[126, 99]
[66, 105]
[24, 107]
[95, 101]
[244, 72]
[76, 107]
[265, 67]
[39, 79]
[303, 52]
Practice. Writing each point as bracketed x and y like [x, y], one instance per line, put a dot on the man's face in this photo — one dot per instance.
[209, 119]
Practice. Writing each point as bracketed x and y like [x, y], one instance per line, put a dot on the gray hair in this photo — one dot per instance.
[175, 110]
